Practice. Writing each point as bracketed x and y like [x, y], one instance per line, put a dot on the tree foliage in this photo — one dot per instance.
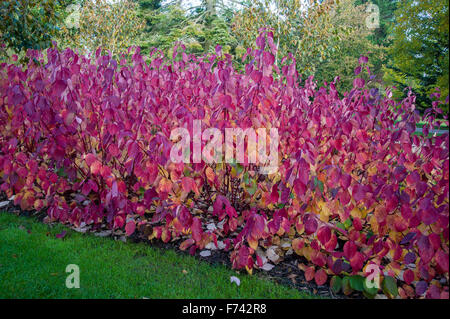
[419, 51]
[354, 41]
[199, 27]
[29, 24]
[110, 25]
[326, 38]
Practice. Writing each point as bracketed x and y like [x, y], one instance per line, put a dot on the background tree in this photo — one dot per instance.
[29, 24]
[299, 27]
[200, 27]
[386, 9]
[354, 40]
[111, 25]
[325, 37]
[419, 51]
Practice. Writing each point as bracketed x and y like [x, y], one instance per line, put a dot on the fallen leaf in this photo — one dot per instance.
[235, 280]
[272, 255]
[80, 229]
[211, 246]
[61, 235]
[267, 267]
[292, 278]
[205, 253]
[4, 204]
[221, 244]
[104, 233]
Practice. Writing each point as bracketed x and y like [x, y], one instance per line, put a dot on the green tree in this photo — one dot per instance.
[198, 27]
[325, 37]
[300, 27]
[385, 9]
[355, 34]
[113, 26]
[419, 50]
[29, 24]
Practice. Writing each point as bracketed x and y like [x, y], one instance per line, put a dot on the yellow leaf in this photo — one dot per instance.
[374, 224]
[253, 243]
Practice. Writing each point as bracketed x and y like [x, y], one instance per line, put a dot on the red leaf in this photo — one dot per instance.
[310, 224]
[256, 76]
[105, 171]
[130, 227]
[345, 181]
[299, 188]
[349, 249]
[274, 196]
[442, 261]
[309, 273]
[297, 244]
[331, 244]
[96, 168]
[196, 229]
[58, 87]
[90, 158]
[357, 261]
[408, 276]
[186, 244]
[324, 234]
[320, 277]
[268, 58]
[188, 185]
[426, 251]
[61, 235]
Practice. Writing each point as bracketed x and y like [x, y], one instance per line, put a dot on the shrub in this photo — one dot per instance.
[88, 139]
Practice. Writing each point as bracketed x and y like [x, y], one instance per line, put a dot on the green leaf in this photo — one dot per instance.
[61, 173]
[252, 190]
[368, 295]
[357, 282]
[239, 168]
[340, 225]
[348, 223]
[346, 288]
[336, 284]
[389, 287]
[320, 184]
[369, 291]
[245, 178]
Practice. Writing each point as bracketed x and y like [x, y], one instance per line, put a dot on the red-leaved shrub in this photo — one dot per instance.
[88, 139]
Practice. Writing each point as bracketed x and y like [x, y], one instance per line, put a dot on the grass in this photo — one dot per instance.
[33, 263]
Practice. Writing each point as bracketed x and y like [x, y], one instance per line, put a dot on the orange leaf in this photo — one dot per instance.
[309, 273]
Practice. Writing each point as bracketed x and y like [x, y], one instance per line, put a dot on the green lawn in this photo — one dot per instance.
[33, 264]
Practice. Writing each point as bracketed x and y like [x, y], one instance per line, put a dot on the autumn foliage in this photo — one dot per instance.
[87, 139]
